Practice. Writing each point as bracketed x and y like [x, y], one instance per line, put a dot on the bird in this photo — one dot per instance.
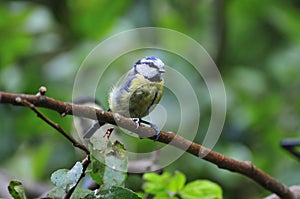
[137, 94]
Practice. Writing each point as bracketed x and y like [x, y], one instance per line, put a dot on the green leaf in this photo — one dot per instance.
[98, 169]
[164, 186]
[56, 192]
[141, 194]
[16, 190]
[164, 196]
[59, 178]
[97, 148]
[154, 177]
[109, 163]
[83, 193]
[66, 179]
[177, 182]
[89, 196]
[203, 189]
[116, 165]
[98, 144]
[155, 183]
[116, 192]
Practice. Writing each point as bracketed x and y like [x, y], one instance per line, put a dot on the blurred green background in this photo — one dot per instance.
[255, 44]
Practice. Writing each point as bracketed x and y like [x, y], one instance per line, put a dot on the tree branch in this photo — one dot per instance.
[54, 125]
[244, 168]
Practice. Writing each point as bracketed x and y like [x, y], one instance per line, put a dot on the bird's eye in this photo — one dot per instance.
[151, 64]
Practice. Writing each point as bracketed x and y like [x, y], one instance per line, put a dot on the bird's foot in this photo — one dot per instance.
[154, 126]
[137, 121]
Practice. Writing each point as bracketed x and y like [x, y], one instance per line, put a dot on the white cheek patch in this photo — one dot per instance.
[146, 70]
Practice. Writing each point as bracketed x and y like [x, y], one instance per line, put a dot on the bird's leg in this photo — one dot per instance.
[154, 126]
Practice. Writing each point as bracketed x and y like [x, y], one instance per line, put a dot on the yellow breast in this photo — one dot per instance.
[138, 100]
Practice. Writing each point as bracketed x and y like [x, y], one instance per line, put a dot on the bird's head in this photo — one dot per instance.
[150, 67]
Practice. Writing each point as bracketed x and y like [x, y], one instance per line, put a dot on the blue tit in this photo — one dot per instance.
[138, 93]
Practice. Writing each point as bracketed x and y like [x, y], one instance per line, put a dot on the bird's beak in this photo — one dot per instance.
[162, 70]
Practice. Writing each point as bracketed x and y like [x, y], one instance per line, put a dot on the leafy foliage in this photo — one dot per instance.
[109, 163]
[67, 179]
[117, 192]
[16, 190]
[168, 186]
[108, 170]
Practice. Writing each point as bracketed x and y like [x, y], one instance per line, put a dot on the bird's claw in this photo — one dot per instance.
[137, 122]
[156, 129]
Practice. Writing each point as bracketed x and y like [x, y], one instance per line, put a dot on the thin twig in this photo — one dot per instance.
[85, 163]
[54, 125]
[244, 168]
